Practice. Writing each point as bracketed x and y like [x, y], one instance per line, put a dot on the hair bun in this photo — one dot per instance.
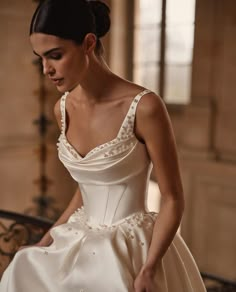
[102, 18]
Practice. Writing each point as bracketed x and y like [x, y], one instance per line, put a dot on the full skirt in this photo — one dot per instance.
[87, 257]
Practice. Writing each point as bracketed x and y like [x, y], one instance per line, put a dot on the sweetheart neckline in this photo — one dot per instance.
[99, 145]
[105, 143]
[93, 149]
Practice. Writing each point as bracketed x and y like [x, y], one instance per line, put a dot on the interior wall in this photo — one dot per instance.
[208, 148]
[19, 137]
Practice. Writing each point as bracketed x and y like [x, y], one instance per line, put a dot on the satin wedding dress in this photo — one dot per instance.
[104, 244]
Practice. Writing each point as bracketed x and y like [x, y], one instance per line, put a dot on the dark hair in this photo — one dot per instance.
[72, 19]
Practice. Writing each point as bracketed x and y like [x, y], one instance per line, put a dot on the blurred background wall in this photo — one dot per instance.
[183, 50]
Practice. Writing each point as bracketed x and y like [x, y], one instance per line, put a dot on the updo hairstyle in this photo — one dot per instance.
[72, 19]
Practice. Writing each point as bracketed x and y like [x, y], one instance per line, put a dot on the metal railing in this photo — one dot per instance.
[17, 230]
[218, 284]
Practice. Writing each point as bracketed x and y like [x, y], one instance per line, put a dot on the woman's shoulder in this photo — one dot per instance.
[150, 104]
[151, 109]
[133, 89]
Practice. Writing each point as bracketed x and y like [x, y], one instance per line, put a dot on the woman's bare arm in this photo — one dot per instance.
[154, 127]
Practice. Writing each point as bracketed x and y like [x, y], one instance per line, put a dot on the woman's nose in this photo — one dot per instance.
[47, 68]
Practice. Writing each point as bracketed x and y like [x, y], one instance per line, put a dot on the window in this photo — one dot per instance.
[163, 47]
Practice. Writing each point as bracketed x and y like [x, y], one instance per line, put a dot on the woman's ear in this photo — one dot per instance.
[90, 42]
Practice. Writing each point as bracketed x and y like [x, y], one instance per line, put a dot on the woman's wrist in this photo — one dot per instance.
[45, 240]
[150, 267]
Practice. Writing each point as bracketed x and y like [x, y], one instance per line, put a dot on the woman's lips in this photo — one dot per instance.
[57, 81]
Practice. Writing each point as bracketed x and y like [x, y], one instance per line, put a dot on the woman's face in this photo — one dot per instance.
[64, 62]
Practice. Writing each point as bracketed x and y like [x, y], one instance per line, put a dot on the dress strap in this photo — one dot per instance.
[63, 112]
[133, 106]
[127, 128]
[128, 123]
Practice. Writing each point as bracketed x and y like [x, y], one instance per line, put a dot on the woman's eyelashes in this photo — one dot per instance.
[52, 57]
[55, 56]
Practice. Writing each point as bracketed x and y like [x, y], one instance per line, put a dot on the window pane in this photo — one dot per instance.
[179, 32]
[180, 11]
[177, 84]
[179, 44]
[147, 76]
[147, 45]
[148, 11]
[180, 17]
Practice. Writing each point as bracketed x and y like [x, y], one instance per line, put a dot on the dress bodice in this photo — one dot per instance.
[112, 177]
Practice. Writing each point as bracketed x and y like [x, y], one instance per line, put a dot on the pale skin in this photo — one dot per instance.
[96, 96]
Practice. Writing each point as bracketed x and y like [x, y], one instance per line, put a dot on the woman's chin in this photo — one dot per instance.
[63, 88]
[60, 89]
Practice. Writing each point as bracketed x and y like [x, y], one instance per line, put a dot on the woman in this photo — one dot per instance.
[112, 133]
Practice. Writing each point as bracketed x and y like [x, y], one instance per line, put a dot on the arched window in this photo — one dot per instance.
[163, 47]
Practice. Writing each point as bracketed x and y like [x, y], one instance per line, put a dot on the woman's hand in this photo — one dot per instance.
[43, 242]
[145, 281]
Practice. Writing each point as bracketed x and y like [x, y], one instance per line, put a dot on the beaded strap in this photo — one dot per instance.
[128, 122]
[125, 133]
[127, 128]
[63, 112]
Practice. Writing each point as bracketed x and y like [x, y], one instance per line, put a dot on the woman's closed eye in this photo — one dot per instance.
[55, 56]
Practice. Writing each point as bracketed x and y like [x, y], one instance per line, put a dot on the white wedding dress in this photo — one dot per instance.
[104, 244]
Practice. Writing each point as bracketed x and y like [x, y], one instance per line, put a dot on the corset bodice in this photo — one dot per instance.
[112, 177]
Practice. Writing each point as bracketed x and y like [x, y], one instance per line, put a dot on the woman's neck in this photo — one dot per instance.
[97, 82]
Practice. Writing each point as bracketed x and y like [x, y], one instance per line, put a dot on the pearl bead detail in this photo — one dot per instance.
[124, 140]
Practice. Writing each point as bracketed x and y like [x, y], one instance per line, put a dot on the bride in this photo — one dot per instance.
[113, 132]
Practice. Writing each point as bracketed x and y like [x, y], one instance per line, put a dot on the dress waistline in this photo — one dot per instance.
[134, 219]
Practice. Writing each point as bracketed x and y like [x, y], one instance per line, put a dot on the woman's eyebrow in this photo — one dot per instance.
[47, 52]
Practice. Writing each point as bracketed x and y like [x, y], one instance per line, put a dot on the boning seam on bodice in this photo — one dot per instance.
[119, 201]
[105, 213]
